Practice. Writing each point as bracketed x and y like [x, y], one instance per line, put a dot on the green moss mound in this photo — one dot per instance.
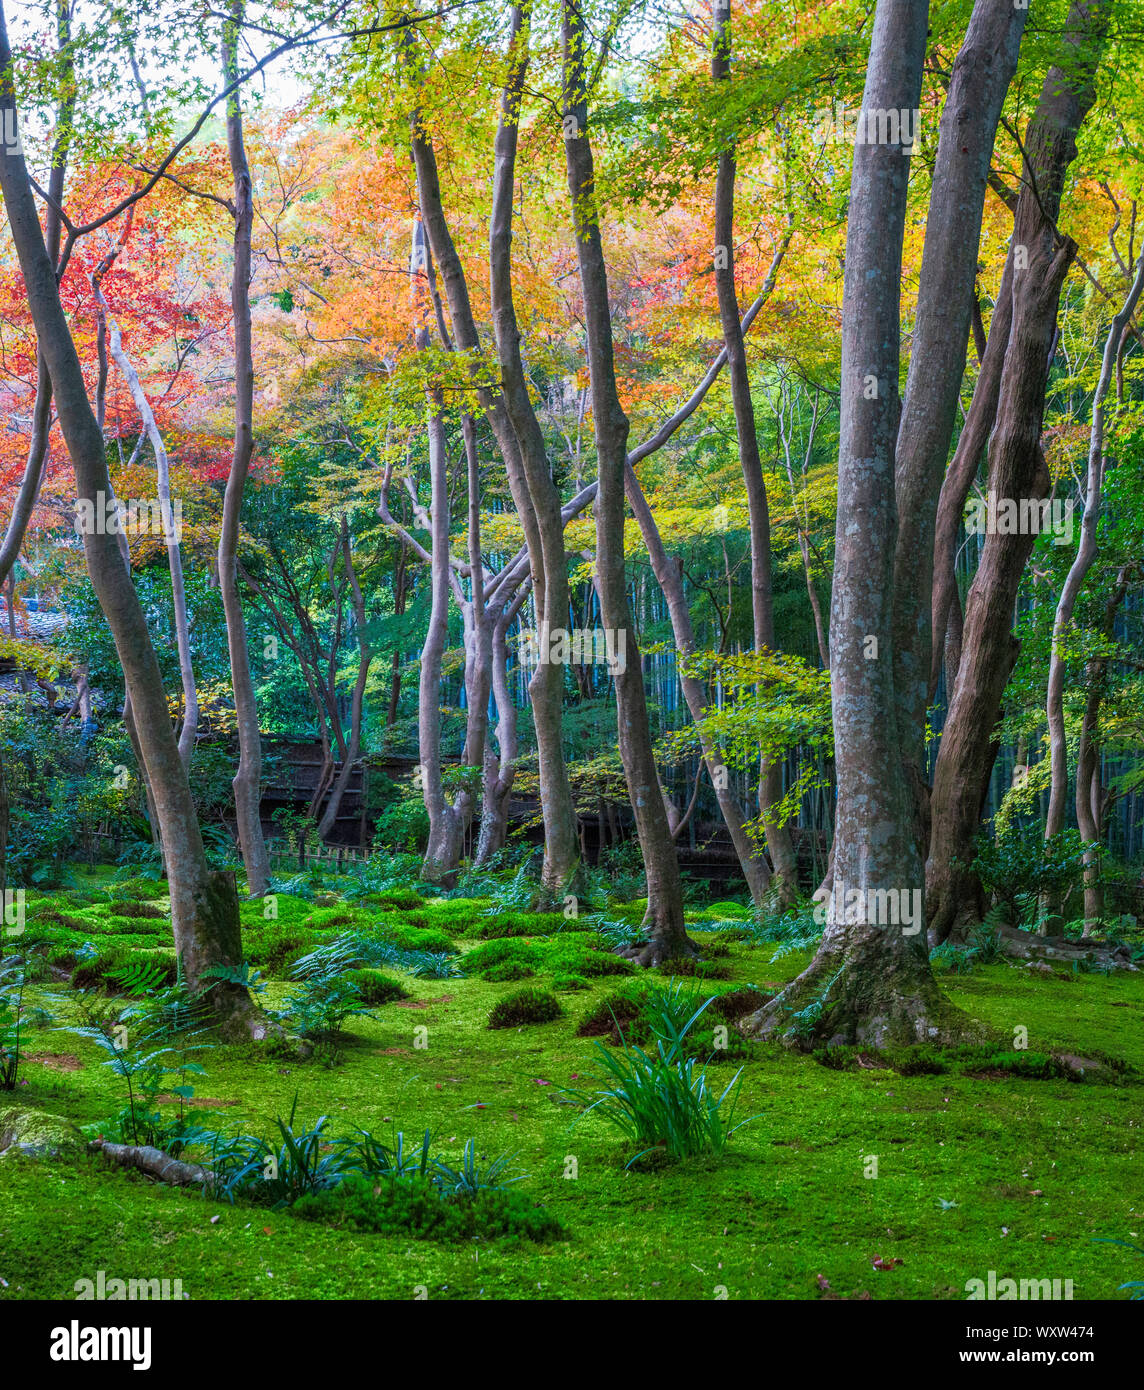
[525, 1006]
[33, 1134]
[414, 1207]
[137, 909]
[376, 987]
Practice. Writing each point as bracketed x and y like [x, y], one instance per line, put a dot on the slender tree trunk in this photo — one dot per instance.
[500, 766]
[204, 905]
[365, 660]
[446, 828]
[190, 727]
[1088, 813]
[870, 981]
[1082, 563]
[534, 491]
[399, 582]
[667, 571]
[247, 783]
[758, 508]
[664, 919]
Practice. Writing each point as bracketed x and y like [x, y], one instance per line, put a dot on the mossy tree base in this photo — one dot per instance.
[869, 989]
[664, 942]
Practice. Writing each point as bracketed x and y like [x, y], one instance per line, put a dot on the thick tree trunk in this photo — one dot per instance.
[247, 783]
[204, 905]
[870, 981]
[779, 841]
[1039, 260]
[664, 919]
[980, 79]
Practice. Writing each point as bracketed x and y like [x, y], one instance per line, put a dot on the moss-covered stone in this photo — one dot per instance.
[33, 1134]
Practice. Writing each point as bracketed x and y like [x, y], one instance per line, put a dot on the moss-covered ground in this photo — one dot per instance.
[975, 1171]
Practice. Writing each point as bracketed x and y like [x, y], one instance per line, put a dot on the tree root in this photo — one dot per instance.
[844, 1000]
[156, 1164]
[1062, 950]
[658, 950]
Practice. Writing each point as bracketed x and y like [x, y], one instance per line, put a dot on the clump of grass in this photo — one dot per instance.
[525, 1006]
[661, 1100]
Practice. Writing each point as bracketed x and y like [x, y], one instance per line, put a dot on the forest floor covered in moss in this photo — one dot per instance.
[1008, 1162]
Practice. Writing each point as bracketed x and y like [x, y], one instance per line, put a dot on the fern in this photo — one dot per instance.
[138, 977]
[245, 975]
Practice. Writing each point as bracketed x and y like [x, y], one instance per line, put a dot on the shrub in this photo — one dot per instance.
[525, 1006]
[401, 898]
[594, 964]
[614, 1016]
[319, 1007]
[277, 947]
[416, 1207]
[409, 938]
[522, 924]
[325, 917]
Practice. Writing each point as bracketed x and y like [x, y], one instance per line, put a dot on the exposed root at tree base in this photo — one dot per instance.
[660, 949]
[848, 1007]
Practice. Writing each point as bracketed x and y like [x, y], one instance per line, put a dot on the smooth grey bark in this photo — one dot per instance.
[247, 781]
[663, 921]
[190, 726]
[204, 906]
[778, 835]
[534, 491]
[870, 981]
